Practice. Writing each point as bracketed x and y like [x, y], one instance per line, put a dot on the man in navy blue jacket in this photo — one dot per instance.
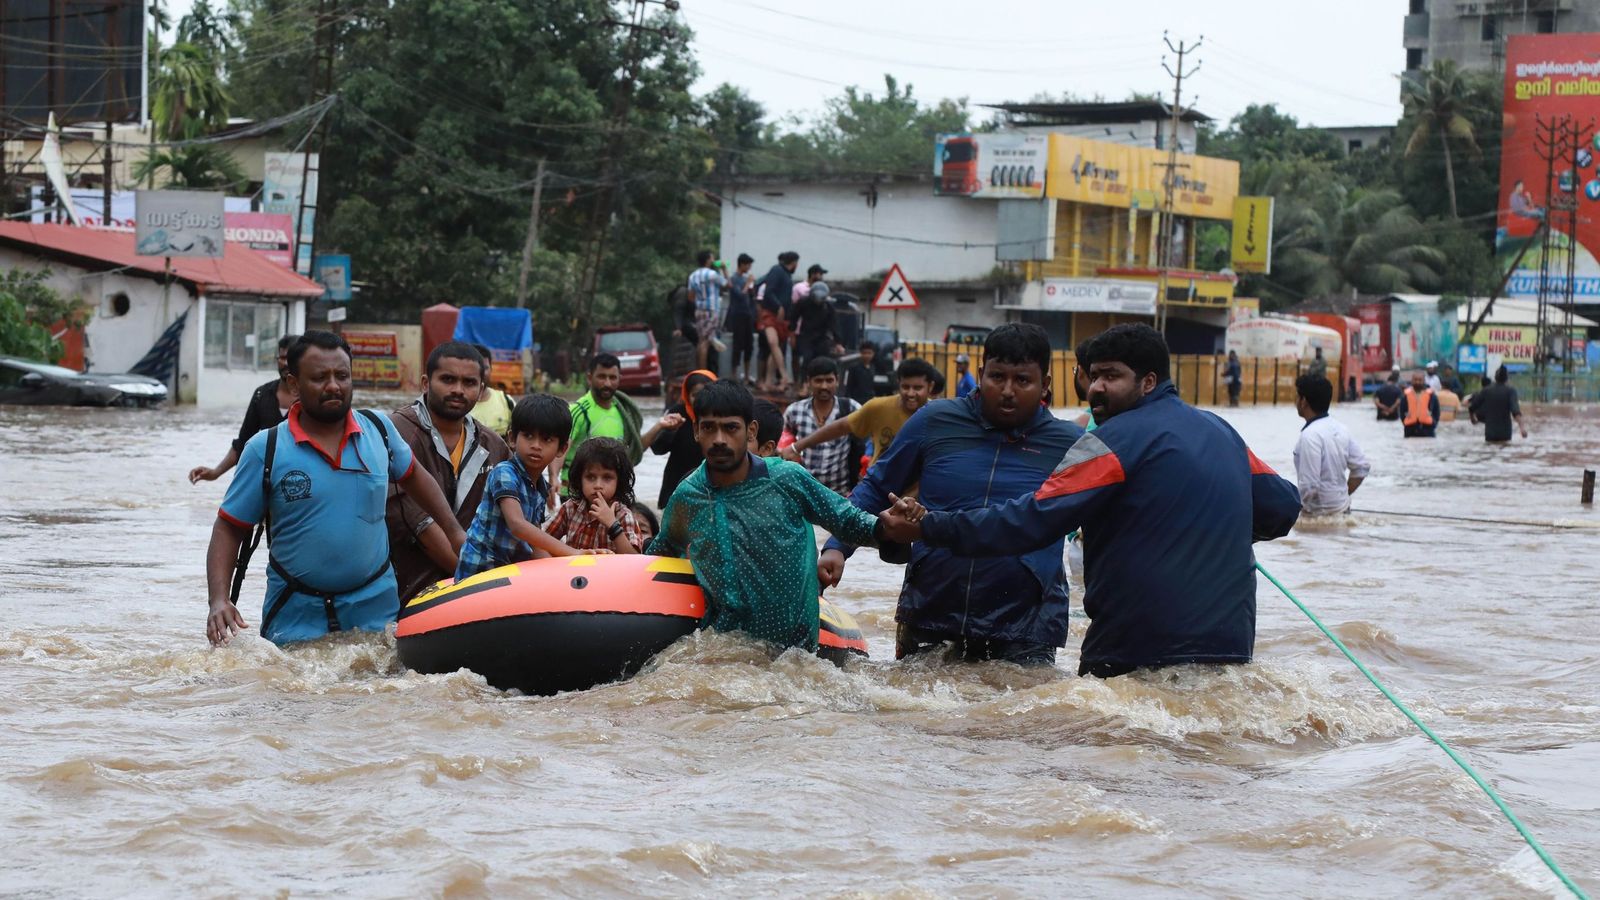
[1170, 500]
[984, 449]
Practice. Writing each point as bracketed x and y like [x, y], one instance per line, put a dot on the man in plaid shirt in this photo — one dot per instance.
[705, 288]
[829, 462]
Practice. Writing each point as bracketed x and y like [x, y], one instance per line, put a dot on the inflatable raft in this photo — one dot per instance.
[569, 624]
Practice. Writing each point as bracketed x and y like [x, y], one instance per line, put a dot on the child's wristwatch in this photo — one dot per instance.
[615, 530]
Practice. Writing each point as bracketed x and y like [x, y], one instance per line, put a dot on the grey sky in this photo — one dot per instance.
[1325, 64]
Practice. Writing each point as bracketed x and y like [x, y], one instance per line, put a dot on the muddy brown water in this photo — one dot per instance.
[136, 760]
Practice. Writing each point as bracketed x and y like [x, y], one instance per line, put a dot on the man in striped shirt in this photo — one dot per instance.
[705, 289]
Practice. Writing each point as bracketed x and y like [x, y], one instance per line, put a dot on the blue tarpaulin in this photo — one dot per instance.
[498, 329]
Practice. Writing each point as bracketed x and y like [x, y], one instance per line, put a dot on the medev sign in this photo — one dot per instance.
[1098, 295]
[374, 358]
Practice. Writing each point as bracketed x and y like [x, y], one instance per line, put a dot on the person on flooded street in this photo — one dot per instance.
[1419, 408]
[1328, 463]
[669, 438]
[605, 411]
[741, 320]
[1387, 398]
[268, 405]
[706, 285]
[966, 454]
[746, 524]
[1234, 376]
[1496, 406]
[319, 480]
[879, 419]
[453, 447]
[830, 460]
[508, 525]
[493, 409]
[1170, 500]
[965, 383]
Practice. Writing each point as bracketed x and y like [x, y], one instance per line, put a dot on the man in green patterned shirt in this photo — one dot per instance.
[745, 522]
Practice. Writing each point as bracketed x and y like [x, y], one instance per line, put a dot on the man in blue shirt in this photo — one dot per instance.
[705, 289]
[328, 480]
[965, 383]
[969, 454]
[1170, 500]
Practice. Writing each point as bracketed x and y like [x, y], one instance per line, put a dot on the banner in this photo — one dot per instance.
[1098, 295]
[990, 166]
[1105, 174]
[178, 223]
[1422, 334]
[1550, 76]
[268, 233]
[1252, 234]
[283, 177]
[374, 358]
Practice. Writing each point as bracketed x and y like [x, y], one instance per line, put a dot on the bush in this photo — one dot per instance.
[28, 307]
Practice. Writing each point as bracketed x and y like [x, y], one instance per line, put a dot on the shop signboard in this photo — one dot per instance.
[1252, 234]
[990, 166]
[1550, 77]
[268, 233]
[283, 177]
[1106, 174]
[1376, 356]
[1102, 295]
[374, 358]
[178, 223]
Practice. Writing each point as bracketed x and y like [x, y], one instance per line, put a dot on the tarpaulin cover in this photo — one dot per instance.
[498, 329]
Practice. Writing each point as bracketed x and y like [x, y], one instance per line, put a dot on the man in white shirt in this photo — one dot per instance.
[1434, 381]
[1328, 463]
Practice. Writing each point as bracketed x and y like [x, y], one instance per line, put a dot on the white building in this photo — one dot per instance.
[856, 228]
[234, 308]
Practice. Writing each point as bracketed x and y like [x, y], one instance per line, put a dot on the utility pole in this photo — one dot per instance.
[321, 86]
[1170, 182]
[605, 193]
[1550, 143]
[533, 236]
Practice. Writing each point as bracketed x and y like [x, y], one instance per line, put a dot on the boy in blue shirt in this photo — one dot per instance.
[507, 528]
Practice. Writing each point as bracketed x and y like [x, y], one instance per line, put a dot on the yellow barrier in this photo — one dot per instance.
[1199, 379]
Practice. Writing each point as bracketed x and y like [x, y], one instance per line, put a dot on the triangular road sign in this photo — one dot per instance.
[896, 292]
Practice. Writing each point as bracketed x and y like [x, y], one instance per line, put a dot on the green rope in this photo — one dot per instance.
[1465, 767]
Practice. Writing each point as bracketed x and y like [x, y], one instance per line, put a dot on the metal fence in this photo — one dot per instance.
[1558, 387]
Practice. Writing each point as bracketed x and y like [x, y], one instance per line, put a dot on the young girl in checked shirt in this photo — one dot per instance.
[598, 512]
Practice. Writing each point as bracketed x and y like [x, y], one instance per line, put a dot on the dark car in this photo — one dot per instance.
[635, 347]
[32, 383]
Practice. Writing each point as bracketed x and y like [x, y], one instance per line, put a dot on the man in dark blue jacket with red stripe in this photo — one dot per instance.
[1169, 499]
[997, 443]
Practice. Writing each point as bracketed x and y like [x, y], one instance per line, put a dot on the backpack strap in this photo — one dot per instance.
[377, 423]
[247, 549]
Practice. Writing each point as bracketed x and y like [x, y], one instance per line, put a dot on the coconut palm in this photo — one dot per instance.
[189, 97]
[194, 167]
[1385, 248]
[1437, 102]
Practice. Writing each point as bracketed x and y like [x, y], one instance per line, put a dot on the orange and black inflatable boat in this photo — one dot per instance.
[568, 624]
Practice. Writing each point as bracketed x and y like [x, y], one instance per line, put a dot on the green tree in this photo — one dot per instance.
[1439, 102]
[863, 132]
[28, 307]
[733, 124]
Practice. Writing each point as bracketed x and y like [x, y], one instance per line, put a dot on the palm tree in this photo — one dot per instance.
[189, 97]
[1385, 248]
[196, 167]
[1438, 102]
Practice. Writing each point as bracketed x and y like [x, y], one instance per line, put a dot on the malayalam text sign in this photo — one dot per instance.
[178, 223]
[374, 358]
[1550, 76]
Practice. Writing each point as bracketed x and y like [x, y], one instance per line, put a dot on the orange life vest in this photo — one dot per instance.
[1417, 407]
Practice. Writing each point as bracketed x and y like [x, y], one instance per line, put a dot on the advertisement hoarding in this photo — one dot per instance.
[1422, 334]
[1376, 357]
[1098, 295]
[1107, 174]
[283, 176]
[1549, 76]
[270, 234]
[990, 166]
[374, 358]
[1251, 248]
[178, 223]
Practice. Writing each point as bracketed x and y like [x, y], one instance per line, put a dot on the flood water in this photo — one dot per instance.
[134, 759]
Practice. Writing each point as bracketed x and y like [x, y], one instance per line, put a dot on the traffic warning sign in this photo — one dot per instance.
[896, 292]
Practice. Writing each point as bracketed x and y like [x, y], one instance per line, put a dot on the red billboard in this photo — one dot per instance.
[1550, 77]
[1375, 351]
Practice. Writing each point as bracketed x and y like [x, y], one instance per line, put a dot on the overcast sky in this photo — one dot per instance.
[1327, 65]
[1324, 64]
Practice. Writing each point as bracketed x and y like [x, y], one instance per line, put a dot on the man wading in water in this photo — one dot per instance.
[455, 449]
[1170, 500]
[319, 480]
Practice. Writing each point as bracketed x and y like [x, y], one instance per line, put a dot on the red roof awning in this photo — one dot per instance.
[240, 270]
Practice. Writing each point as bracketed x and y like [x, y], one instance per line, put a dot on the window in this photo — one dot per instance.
[1354, 145]
[243, 335]
[1545, 23]
[1413, 59]
[120, 304]
[1488, 28]
[1419, 7]
[624, 341]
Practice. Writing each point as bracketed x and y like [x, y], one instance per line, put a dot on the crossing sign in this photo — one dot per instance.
[896, 292]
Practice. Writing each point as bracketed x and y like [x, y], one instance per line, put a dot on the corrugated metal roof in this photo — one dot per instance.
[241, 270]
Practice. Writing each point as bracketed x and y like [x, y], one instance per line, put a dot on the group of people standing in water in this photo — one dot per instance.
[974, 495]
